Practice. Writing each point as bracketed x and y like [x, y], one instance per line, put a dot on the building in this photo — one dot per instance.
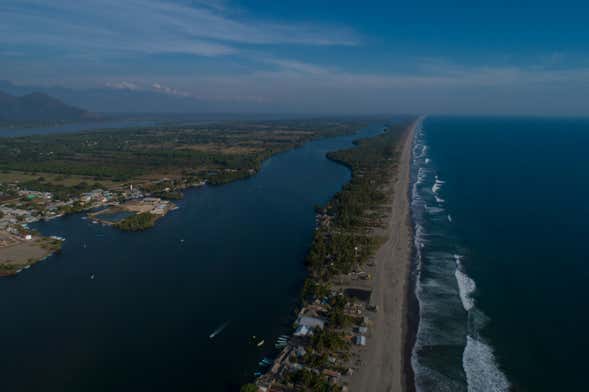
[311, 322]
[360, 340]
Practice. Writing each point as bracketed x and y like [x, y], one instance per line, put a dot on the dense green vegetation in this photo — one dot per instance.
[345, 239]
[249, 388]
[355, 211]
[308, 380]
[137, 222]
[60, 192]
[217, 152]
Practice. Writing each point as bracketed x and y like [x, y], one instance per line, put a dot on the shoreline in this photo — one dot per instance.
[386, 362]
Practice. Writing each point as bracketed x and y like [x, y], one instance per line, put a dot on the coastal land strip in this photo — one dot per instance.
[350, 331]
[384, 358]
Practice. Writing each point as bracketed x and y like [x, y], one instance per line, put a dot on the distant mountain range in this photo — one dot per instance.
[118, 100]
[39, 107]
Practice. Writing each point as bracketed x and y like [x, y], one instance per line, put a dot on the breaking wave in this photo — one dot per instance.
[449, 354]
[466, 286]
[480, 366]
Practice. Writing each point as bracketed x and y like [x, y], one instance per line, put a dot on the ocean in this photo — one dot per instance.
[500, 212]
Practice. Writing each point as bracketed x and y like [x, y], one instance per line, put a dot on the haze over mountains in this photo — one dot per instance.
[37, 106]
[121, 98]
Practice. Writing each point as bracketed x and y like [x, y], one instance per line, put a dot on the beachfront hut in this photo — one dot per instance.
[360, 340]
[311, 322]
[302, 330]
[362, 330]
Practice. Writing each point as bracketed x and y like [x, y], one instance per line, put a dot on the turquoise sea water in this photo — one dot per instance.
[229, 260]
[500, 211]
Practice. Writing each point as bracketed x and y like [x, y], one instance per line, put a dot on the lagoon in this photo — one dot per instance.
[230, 256]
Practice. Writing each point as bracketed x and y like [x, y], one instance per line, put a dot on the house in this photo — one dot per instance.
[302, 330]
[362, 330]
[311, 322]
[360, 340]
[331, 373]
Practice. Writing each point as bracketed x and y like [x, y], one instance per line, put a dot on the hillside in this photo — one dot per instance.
[36, 107]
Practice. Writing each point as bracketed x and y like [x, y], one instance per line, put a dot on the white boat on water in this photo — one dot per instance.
[218, 330]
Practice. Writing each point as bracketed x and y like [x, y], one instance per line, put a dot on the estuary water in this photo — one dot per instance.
[120, 311]
[500, 213]
[73, 127]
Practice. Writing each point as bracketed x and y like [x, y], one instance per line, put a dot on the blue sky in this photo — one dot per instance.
[527, 57]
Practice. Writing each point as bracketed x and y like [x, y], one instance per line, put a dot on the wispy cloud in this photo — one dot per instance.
[122, 86]
[298, 66]
[151, 26]
[142, 86]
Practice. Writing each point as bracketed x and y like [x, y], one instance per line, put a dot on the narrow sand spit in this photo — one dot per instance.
[383, 360]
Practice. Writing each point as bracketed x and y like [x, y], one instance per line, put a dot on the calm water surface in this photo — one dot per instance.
[73, 128]
[231, 255]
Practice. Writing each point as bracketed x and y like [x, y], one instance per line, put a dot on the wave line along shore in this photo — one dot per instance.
[383, 362]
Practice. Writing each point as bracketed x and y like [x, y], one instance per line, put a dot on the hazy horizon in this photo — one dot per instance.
[256, 57]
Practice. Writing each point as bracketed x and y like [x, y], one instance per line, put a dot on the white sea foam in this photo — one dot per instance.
[434, 210]
[437, 185]
[466, 286]
[482, 372]
[427, 378]
[420, 175]
[442, 321]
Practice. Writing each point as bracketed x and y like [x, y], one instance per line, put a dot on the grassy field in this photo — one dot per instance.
[22, 253]
[13, 176]
[217, 153]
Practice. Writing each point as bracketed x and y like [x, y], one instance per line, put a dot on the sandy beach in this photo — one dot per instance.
[383, 360]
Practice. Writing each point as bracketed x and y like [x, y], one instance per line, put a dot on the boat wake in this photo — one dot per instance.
[218, 330]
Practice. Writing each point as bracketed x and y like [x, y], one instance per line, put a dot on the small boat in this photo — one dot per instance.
[261, 343]
[92, 276]
[218, 330]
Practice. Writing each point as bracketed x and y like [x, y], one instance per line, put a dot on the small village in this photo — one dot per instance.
[330, 332]
[20, 247]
